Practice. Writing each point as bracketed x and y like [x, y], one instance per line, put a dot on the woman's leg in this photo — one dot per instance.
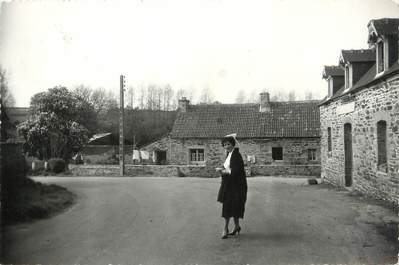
[236, 222]
[226, 228]
[226, 224]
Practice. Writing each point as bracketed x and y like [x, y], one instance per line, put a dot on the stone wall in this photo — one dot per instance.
[379, 102]
[285, 170]
[142, 170]
[295, 155]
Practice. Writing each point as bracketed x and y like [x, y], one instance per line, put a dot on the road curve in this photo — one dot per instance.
[177, 221]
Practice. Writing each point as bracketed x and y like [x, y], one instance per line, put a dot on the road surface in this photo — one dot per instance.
[177, 221]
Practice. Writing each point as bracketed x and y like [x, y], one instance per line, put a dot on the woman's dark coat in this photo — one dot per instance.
[233, 189]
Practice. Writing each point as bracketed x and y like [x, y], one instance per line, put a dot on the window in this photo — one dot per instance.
[277, 153]
[330, 87]
[347, 77]
[329, 141]
[382, 146]
[312, 154]
[380, 57]
[197, 155]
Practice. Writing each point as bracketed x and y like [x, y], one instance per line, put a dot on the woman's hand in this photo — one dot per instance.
[219, 169]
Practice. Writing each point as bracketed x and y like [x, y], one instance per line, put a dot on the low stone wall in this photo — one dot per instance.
[142, 170]
[285, 170]
[94, 170]
[191, 170]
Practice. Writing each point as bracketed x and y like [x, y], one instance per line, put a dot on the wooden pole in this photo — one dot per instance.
[121, 127]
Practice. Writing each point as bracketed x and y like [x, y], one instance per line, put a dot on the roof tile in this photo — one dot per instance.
[286, 119]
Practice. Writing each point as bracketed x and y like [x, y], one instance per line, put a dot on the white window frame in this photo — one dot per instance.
[197, 156]
[313, 152]
[383, 43]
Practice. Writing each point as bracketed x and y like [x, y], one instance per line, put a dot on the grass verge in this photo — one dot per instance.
[26, 200]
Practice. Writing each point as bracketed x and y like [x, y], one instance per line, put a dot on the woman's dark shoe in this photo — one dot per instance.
[235, 231]
[225, 233]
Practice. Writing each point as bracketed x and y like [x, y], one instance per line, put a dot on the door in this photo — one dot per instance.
[161, 157]
[348, 154]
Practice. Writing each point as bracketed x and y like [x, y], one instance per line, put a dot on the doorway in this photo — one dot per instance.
[348, 154]
[160, 157]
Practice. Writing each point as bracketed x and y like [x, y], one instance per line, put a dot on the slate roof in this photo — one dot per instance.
[98, 136]
[384, 26]
[332, 70]
[362, 55]
[368, 79]
[17, 114]
[286, 119]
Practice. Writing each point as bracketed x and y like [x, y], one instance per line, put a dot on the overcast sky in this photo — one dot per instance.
[224, 45]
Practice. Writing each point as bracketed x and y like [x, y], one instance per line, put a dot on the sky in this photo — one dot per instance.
[221, 45]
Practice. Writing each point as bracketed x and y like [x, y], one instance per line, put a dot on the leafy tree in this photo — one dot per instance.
[54, 127]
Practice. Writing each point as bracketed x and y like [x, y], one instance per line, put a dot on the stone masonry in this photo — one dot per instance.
[371, 105]
[295, 155]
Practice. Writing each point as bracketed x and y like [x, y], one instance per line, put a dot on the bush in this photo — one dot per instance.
[57, 165]
[15, 166]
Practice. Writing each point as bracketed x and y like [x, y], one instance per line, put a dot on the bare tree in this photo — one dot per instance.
[253, 97]
[309, 95]
[167, 97]
[240, 98]
[142, 97]
[7, 99]
[206, 95]
[112, 101]
[291, 95]
[130, 96]
[84, 92]
[279, 96]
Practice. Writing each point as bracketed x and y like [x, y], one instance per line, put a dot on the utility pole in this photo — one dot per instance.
[121, 127]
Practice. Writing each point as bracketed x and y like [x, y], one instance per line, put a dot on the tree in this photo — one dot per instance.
[279, 96]
[291, 95]
[53, 128]
[240, 96]
[206, 96]
[253, 97]
[309, 95]
[7, 99]
[167, 97]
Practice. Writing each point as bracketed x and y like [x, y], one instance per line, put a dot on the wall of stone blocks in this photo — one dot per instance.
[295, 153]
[286, 170]
[379, 102]
[142, 171]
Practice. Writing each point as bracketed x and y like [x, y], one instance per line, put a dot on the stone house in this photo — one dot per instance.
[14, 116]
[275, 138]
[360, 116]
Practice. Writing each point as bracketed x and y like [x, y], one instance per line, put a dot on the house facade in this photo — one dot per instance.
[275, 138]
[360, 116]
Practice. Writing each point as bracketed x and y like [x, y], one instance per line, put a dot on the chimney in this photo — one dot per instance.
[264, 102]
[183, 104]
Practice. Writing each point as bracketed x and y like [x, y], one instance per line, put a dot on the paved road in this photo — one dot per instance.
[177, 221]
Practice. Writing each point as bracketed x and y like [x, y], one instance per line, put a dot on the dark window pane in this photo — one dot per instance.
[277, 153]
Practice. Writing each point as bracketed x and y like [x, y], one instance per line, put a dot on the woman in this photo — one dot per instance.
[233, 190]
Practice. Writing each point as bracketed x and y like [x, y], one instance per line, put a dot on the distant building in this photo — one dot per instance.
[360, 116]
[275, 138]
[15, 115]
